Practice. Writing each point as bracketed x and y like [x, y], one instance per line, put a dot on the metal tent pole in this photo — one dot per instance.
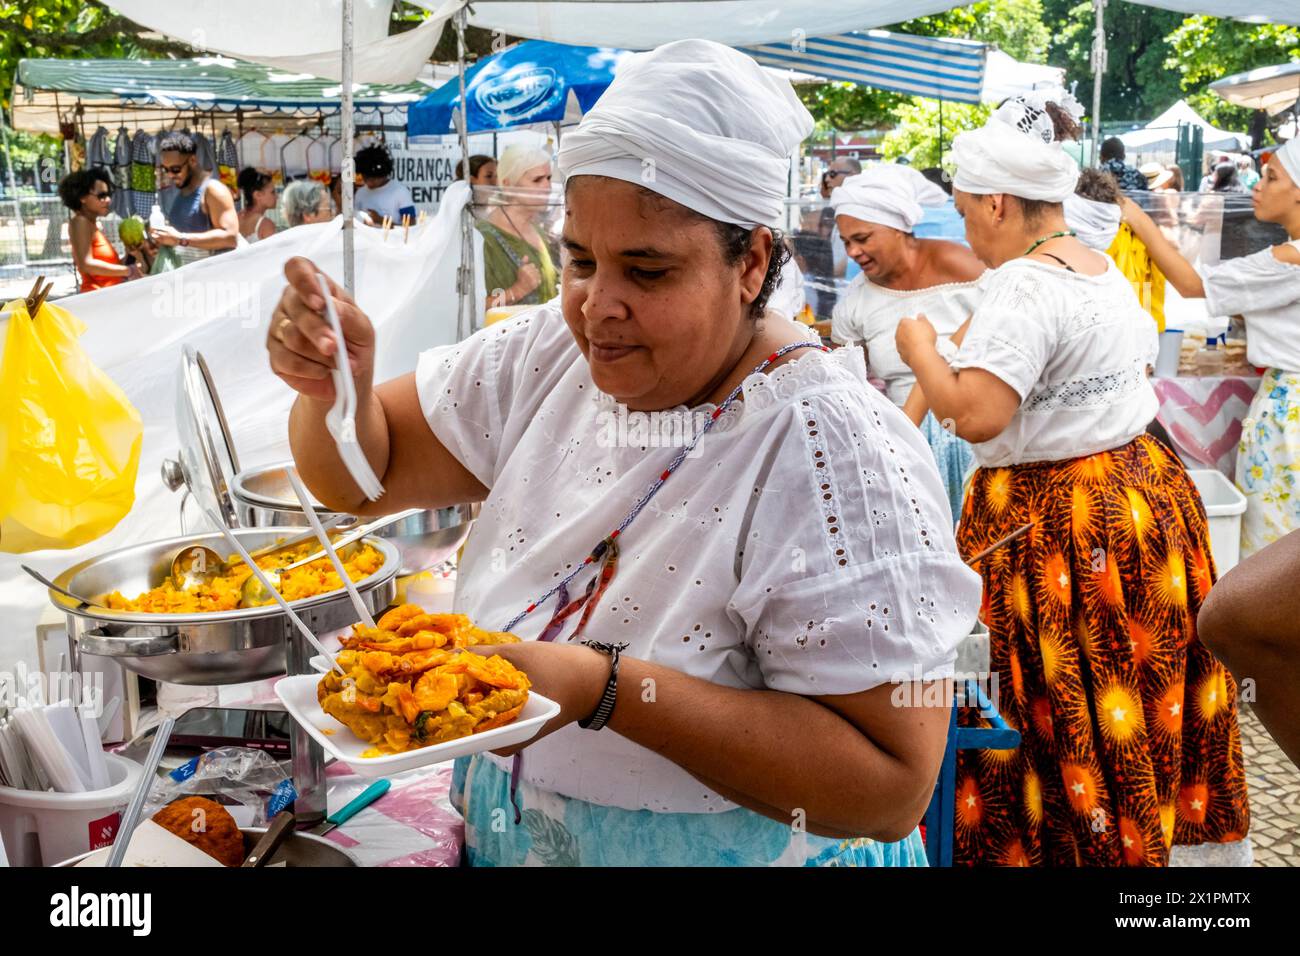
[13, 194]
[348, 165]
[1098, 69]
[464, 274]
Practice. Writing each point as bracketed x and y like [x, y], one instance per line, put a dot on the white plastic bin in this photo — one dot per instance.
[40, 829]
[1224, 506]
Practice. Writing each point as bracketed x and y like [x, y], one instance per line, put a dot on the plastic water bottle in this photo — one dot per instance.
[156, 218]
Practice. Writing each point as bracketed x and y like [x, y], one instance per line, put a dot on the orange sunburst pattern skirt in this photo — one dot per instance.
[1129, 739]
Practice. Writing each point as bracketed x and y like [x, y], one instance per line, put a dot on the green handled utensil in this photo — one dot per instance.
[366, 798]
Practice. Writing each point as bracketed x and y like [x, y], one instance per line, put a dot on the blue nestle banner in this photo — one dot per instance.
[528, 83]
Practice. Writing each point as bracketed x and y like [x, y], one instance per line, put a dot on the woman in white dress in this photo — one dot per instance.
[1264, 289]
[903, 276]
[795, 560]
[1129, 740]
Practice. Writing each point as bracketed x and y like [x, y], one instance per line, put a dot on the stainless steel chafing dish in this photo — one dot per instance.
[262, 497]
[209, 648]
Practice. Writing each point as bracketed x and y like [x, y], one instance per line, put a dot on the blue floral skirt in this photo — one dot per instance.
[953, 456]
[1268, 462]
[561, 831]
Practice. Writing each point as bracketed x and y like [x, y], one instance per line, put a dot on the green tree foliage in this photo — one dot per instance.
[917, 130]
[70, 29]
[1136, 83]
[1203, 49]
[1016, 27]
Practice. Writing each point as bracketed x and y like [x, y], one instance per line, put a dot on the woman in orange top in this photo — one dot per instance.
[89, 193]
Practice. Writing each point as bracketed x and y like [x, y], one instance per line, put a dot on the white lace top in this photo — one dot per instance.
[805, 547]
[1266, 292]
[1075, 348]
[869, 314]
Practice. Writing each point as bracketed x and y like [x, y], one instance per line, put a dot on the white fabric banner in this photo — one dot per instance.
[221, 306]
[298, 36]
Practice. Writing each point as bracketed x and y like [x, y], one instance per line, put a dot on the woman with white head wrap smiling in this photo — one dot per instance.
[800, 560]
[1264, 289]
[902, 275]
[1128, 724]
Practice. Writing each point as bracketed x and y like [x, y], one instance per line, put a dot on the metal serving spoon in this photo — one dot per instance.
[54, 587]
[197, 564]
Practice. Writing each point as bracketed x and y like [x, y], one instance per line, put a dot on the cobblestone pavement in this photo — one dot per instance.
[1274, 785]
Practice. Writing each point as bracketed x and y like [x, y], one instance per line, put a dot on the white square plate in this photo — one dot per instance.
[299, 697]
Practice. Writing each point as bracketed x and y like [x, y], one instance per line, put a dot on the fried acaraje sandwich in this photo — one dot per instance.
[410, 682]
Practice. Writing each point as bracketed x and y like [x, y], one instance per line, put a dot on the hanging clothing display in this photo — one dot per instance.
[228, 161]
[205, 152]
[121, 170]
[97, 153]
[144, 174]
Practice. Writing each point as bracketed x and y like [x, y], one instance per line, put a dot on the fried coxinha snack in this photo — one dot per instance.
[410, 683]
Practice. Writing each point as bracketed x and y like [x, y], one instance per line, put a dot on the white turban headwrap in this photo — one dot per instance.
[518, 159]
[888, 194]
[1095, 223]
[1015, 152]
[1289, 157]
[699, 123]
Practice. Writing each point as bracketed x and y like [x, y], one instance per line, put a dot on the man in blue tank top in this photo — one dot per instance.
[201, 218]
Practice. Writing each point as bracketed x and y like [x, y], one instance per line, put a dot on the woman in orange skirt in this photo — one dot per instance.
[1129, 740]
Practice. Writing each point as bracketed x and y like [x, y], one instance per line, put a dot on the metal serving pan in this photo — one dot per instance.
[219, 647]
[263, 496]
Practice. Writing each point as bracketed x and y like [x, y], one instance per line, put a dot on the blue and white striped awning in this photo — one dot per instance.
[921, 66]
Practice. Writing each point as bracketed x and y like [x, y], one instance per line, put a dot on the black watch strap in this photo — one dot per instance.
[605, 709]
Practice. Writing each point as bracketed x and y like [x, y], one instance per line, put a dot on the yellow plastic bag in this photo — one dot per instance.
[69, 438]
[1135, 262]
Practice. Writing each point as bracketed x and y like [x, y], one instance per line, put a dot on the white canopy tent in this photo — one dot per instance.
[1161, 134]
[1006, 76]
[1270, 88]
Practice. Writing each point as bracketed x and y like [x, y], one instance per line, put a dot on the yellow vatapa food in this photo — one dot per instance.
[411, 683]
[223, 593]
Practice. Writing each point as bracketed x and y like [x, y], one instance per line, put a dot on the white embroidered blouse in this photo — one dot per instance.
[1075, 348]
[805, 546]
[869, 314]
[1265, 291]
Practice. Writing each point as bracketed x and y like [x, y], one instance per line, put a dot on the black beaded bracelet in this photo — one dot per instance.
[605, 709]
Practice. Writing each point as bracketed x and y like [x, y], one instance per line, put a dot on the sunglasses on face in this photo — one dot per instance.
[102, 195]
[173, 170]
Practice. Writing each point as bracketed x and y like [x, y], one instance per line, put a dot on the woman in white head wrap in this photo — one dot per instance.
[1264, 289]
[798, 560]
[1092, 610]
[518, 266]
[876, 212]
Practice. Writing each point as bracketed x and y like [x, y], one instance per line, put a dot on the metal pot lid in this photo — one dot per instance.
[207, 454]
[267, 486]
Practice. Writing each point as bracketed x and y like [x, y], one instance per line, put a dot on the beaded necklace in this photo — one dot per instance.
[1056, 235]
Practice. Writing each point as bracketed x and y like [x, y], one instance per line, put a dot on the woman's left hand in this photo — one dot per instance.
[914, 335]
[572, 675]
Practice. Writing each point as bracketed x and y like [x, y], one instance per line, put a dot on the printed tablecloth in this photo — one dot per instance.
[1203, 416]
[413, 824]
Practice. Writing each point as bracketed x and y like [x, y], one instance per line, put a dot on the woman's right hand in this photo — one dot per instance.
[301, 344]
[528, 278]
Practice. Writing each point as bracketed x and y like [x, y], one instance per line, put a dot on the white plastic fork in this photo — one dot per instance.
[358, 605]
[341, 419]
